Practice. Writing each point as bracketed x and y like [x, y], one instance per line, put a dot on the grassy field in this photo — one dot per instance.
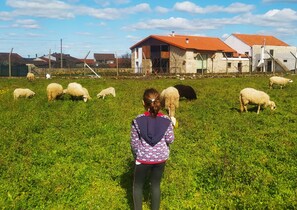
[75, 155]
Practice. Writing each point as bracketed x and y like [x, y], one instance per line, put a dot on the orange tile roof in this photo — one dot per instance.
[194, 42]
[254, 39]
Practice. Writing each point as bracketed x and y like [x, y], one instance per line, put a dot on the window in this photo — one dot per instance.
[285, 61]
[229, 55]
[271, 52]
[229, 64]
[164, 48]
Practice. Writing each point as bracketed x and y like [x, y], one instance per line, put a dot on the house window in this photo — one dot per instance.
[164, 48]
[271, 52]
[229, 64]
[247, 53]
[285, 61]
[229, 55]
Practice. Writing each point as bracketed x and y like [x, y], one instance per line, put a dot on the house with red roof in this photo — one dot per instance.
[267, 53]
[186, 54]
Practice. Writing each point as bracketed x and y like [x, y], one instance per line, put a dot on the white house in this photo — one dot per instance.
[267, 53]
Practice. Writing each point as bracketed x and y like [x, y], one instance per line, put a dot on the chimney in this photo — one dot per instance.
[187, 40]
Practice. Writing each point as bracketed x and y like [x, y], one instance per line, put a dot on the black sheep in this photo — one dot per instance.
[186, 91]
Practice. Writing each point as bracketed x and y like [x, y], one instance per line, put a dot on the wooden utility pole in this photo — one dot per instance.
[61, 55]
[9, 62]
[117, 62]
[49, 60]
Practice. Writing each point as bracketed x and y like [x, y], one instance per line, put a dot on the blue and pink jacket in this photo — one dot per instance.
[150, 138]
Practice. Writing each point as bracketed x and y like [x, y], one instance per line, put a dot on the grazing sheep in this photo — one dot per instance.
[54, 91]
[87, 93]
[105, 92]
[77, 92]
[253, 96]
[169, 98]
[47, 76]
[30, 76]
[186, 91]
[281, 81]
[23, 93]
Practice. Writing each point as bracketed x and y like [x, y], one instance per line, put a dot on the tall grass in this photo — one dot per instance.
[75, 155]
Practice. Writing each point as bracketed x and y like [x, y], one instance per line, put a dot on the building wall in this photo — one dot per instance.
[238, 45]
[177, 60]
[136, 60]
[218, 63]
[282, 53]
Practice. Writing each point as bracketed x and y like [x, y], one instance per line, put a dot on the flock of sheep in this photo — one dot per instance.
[169, 97]
[55, 91]
[260, 98]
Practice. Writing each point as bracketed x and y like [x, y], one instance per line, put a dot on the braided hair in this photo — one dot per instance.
[151, 101]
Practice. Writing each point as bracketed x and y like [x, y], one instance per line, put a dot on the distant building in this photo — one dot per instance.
[186, 54]
[267, 53]
[102, 59]
[67, 61]
[12, 65]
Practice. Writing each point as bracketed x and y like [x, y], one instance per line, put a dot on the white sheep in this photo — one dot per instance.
[253, 96]
[281, 81]
[76, 91]
[23, 93]
[54, 91]
[30, 76]
[169, 98]
[105, 92]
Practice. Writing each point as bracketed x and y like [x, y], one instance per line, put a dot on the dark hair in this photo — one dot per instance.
[151, 100]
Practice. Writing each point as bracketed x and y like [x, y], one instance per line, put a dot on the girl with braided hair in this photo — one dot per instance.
[151, 134]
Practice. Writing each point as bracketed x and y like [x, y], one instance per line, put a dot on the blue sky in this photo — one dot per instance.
[36, 27]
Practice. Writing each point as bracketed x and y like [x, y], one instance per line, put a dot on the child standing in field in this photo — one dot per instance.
[151, 134]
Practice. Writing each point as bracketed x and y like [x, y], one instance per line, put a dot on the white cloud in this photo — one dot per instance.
[6, 16]
[26, 23]
[38, 4]
[191, 7]
[284, 15]
[172, 23]
[188, 6]
[272, 20]
[105, 3]
[60, 10]
[161, 9]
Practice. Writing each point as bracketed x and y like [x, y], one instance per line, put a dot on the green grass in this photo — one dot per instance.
[75, 155]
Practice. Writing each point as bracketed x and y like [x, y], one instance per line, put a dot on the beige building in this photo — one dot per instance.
[186, 54]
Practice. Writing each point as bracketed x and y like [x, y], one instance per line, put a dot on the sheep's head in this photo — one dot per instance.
[174, 122]
[85, 98]
[272, 105]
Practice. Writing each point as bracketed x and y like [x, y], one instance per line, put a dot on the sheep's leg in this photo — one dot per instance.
[258, 111]
[244, 107]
